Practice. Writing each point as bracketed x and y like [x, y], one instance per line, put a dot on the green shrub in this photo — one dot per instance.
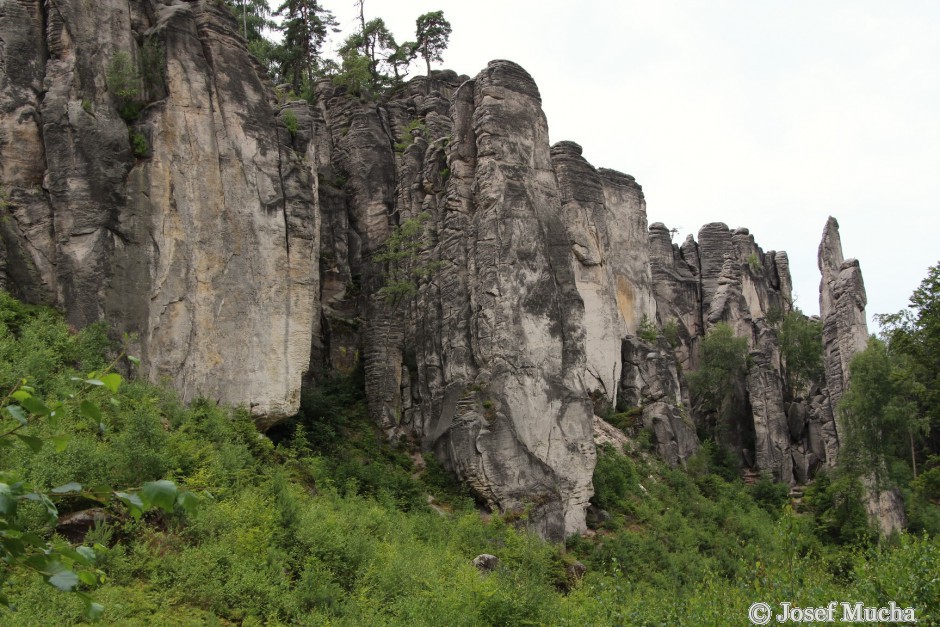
[770, 495]
[290, 121]
[647, 330]
[123, 77]
[139, 145]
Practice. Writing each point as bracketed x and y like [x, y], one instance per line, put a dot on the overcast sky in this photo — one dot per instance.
[767, 114]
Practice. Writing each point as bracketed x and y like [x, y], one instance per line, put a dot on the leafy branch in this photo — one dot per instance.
[64, 567]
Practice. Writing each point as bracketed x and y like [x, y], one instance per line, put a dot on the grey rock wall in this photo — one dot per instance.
[205, 247]
[244, 251]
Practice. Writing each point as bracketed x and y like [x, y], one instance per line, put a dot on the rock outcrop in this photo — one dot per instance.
[246, 242]
[842, 301]
[202, 238]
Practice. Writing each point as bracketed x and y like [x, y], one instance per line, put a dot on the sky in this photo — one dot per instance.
[767, 114]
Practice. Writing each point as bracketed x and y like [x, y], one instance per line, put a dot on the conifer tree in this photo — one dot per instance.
[433, 35]
[305, 26]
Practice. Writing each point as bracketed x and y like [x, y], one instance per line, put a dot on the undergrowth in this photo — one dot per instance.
[326, 522]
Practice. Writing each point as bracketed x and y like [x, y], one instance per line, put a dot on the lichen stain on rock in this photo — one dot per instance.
[626, 302]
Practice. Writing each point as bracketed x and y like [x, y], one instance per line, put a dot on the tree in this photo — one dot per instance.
[912, 340]
[432, 35]
[404, 254]
[305, 27]
[253, 17]
[802, 349]
[879, 409]
[724, 364]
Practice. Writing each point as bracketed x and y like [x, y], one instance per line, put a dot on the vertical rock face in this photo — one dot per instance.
[605, 220]
[842, 303]
[209, 236]
[537, 282]
[523, 439]
[652, 383]
[485, 365]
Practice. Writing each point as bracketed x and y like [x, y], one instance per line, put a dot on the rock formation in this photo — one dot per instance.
[203, 245]
[246, 242]
[842, 303]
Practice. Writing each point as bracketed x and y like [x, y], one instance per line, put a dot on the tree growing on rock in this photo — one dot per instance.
[724, 364]
[433, 35]
[305, 27]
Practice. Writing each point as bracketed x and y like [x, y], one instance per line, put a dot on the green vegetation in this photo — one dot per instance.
[31, 425]
[408, 135]
[369, 63]
[801, 348]
[403, 253]
[724, 364]
[647, 330]
[326, 522]
[123, 78]
[891, 409]
[753, 262]
[152, 62]
[139, 144]
[290, 121]
[433, 35]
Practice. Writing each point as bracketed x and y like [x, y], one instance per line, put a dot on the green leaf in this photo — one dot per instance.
[34, 406]
[34, 443]
[93, 610]
[17, 412]
[133, 502]
[88, 553]
[112, 381]
[60, 442]
[90, 410]
[187, 501]
[33, 540]
[21, 395]
[161, 494]
[76, 557]
[87, 577]
[64, 580]
[7, 500]
[51, 509]
[99, 492]
[68, 487]
[133, 360]
[93, 381]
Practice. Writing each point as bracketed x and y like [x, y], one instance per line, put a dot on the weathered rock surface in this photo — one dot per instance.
[535, 273]
[210, 236]
[651, 382]
[842, 301]
[605, 220]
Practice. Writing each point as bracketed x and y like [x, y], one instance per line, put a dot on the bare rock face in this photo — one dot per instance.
[204, 243]
[773, 429]
[651, 382]
[485, 364]
[605, 220]
[842, 301]
[524, 439]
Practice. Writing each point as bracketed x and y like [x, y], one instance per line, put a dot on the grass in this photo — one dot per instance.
[325, 522]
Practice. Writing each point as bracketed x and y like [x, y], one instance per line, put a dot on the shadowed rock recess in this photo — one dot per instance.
[241, 241]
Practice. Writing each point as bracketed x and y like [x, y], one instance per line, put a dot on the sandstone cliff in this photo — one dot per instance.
[245, 243]
[203, 244]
